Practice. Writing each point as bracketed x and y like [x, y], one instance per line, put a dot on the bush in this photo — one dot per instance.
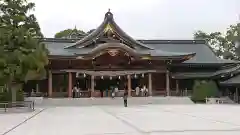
[20, 95]
[203, 89]
[6, 96]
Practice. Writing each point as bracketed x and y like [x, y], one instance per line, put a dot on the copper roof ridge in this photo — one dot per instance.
[108, 19]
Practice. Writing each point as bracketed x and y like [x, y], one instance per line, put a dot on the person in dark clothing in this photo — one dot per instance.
[125, 96]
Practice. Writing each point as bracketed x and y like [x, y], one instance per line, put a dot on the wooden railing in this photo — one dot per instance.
[19, 104]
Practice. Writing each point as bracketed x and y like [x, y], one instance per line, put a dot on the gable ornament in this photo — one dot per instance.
[113, 52]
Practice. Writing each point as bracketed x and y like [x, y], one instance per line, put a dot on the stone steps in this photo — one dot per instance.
[228, 100]
[110, 101]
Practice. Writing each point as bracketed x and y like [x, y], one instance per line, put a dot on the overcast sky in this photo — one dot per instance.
[141, 19]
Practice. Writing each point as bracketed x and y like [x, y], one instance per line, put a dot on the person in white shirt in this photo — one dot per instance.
[74, 91]
[77, 92]
[113, 92]
[144, 91]
[116, 91]
[137, 91]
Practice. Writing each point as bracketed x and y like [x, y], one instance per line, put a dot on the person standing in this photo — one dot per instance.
[113, 93]
[74, 91]
[125, 96]
[144, 91]
[77, 92]
[116, 91]
[137, 91]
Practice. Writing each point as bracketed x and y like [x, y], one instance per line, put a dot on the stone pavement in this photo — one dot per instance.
[9, 121]
[133, 120]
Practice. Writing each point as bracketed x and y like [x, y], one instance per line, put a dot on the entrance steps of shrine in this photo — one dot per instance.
[228, 100]
[110, 101]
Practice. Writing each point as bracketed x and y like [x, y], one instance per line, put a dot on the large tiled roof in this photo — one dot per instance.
[232, 81]
[204, 54]
[218, 73]
[196, 51]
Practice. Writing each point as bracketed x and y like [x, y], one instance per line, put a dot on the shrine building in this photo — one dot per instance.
[109, 57]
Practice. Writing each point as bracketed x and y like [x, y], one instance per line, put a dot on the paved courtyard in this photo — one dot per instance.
[117, 120]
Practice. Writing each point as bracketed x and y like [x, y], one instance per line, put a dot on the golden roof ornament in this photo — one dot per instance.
[108, 28]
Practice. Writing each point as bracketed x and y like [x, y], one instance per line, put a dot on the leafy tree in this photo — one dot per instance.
[224, 45]
[22, 56]
[68, 33]
[203, 89]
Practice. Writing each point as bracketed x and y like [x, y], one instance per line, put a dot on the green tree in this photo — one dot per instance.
[22, 56]
[203, 89]
[68, 33]
[224, 45]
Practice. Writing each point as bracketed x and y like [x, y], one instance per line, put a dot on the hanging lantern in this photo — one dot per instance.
[119, 77]
[142, 75]
[84, 75]
[101, 77]
[135, 76]
[110, 77]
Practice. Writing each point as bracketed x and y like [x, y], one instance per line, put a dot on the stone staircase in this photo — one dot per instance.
[227, 100]
[109, 101]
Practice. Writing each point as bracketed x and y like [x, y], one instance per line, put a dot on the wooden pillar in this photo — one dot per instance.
[92, 86]
[49, 84]
[177, 87]
[167, 83]
[150, 84]
[70, 87]
[129, 85]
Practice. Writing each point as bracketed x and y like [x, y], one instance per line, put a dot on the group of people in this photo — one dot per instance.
[114, 92]
[141, 91]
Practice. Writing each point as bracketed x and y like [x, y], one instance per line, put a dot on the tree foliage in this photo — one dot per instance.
[203, 89]
[69, 32]
[22, 56]
[224, 44]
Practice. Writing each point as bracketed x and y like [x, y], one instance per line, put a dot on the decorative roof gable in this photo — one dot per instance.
[107, 32]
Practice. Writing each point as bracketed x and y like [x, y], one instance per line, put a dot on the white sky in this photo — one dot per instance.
[141, 19]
